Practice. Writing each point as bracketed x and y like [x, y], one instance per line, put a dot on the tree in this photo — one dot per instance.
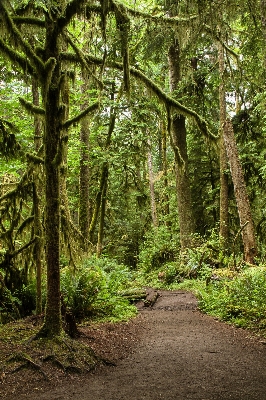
[243, 206]
[47, 69]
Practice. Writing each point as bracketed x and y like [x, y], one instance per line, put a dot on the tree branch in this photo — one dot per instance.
[11, 27]
[31, 108]
[72, 8]
[209, 30]
[160, 18]
[29, 21]
[16, 57]
[83, 114]
[166, 99]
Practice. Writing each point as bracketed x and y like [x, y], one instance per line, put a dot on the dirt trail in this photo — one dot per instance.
[181, 354]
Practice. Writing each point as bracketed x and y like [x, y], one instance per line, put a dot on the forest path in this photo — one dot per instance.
[181, 354]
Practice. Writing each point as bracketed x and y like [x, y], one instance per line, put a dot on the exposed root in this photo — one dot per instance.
[27, 362]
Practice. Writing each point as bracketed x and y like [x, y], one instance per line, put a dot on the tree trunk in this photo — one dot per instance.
[179, 143]
[38, 247]
[102, 215]
[52, 148]
[151, 184]
[164, 166]
[224, 203]
[84, 175]
[37, 195]
[104, 174]
[243, 206]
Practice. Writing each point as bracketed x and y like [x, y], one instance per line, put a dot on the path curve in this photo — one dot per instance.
[182, 354]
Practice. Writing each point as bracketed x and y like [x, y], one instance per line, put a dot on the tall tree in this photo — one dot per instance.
[224, 200]
[179, 142]
[243, 206]
[151, 184]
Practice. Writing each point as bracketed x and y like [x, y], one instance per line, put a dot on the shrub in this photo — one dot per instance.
[241, 300]
[92, 291]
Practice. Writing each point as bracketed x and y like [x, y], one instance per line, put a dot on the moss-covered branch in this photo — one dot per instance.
[29, 21]
[79, 57]
[15, 57]
[34, 159]
[73, 7]
[31, 108]
[160, 17]
[83, 114]
[15, 253]
[165, 98]
[24, 45]
[170, 101]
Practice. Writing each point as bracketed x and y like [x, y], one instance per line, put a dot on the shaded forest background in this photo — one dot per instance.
[119, 169]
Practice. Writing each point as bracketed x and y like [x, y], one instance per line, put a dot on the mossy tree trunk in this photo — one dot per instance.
[51, 102]
[179, 143]
[101, 195]
[102, 212]
[224, 202]
[165, 179]
[84, 172]
[151, 185]
[37, 195]
[263, 25]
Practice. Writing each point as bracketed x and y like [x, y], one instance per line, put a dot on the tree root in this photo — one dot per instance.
[27, 363]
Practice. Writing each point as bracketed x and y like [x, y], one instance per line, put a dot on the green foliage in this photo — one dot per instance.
[240, 300]
[8, 303]
[160, 246]
[27, 298]
[92, 290]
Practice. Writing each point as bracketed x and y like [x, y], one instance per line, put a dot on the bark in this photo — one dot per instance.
[37, 120]
[224, 203]
[102, 215]
[165, 180]
[51, 98]
[243, 206]
[179, 143]
[84, 176]
[38, 247]
[37, 195]
[151, 184]
[104, 176]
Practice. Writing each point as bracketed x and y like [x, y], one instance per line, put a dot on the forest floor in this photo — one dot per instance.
[170, 351]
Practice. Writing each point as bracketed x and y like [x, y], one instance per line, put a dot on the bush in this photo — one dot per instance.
[241, 300]
[92, 291]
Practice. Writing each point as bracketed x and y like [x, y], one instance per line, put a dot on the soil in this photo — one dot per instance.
[170, 351]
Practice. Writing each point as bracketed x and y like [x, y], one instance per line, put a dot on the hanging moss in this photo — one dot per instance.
[31, 108]
[8, 142]
[16, 57]
[82, 115]
[162, 96]
[26, 47]
[29, 21]
[123, 24]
